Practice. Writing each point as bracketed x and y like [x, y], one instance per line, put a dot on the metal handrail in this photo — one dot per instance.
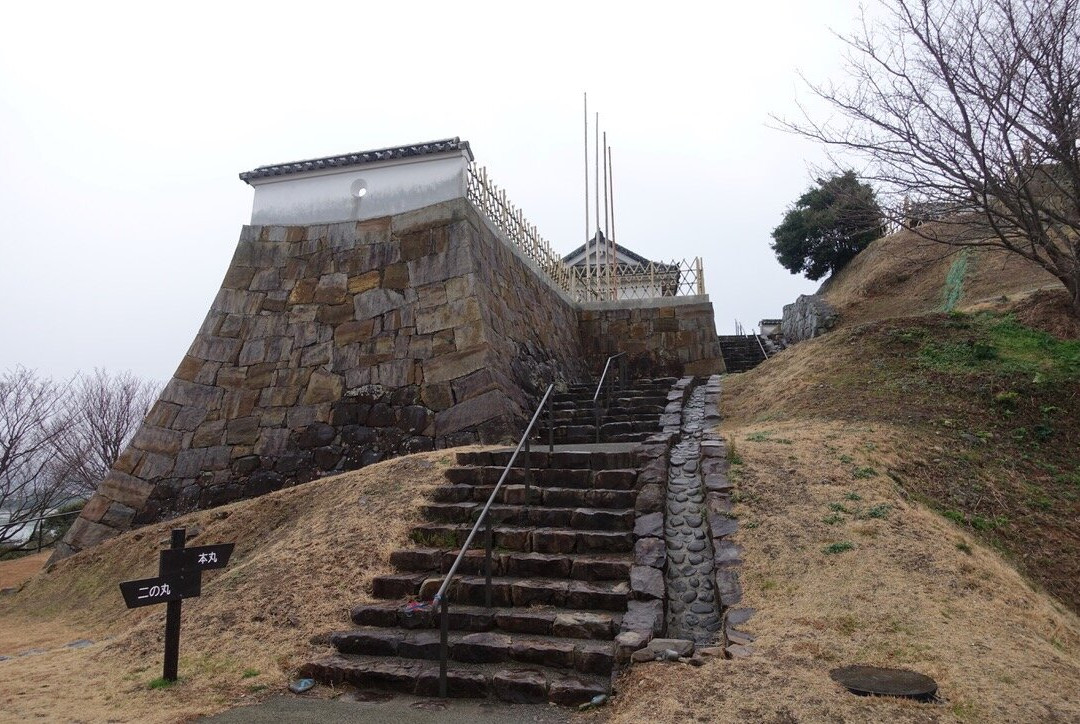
[761, 346]
[440, 598]
[597, 415]
[604, 374]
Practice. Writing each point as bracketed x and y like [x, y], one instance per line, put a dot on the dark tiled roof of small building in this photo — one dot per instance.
[359, 158]
[600, 238]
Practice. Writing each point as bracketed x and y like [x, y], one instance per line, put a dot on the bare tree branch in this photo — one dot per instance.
[968, 113]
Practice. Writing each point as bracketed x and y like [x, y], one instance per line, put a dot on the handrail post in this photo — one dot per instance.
[528, 469]
[487, 563]
[551, 429]
[596, 418]
[444, 633]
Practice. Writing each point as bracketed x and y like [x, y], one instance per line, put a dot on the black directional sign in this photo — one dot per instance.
[149, 591]
[205, 557]
[179, 577]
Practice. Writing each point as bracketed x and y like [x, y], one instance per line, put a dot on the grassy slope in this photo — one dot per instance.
[304, 555]
[908, 493]
[902, 274]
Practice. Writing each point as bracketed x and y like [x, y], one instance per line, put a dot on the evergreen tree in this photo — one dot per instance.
[828, 225]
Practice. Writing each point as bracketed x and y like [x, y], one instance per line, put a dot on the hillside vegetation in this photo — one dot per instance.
[908, 492]
[903, 274]
[303, 556]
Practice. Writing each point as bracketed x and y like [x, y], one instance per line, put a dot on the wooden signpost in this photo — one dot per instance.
[179, 577]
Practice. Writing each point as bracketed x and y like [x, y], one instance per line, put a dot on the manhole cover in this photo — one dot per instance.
[876, 681]
[428, 705]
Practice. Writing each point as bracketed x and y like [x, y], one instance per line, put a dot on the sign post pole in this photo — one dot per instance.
[172, 619]
[179, 577]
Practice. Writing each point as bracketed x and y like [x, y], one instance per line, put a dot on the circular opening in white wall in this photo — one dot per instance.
[358, 190]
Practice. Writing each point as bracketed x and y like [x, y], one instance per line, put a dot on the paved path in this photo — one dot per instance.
[401, 709]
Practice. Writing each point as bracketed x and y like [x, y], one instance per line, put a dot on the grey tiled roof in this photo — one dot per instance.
[360, 157]
[598, 239]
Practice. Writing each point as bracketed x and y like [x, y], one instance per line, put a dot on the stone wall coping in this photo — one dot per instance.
[651, 303]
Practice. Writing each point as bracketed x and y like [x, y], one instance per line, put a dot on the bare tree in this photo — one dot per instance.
[105, 412]
[33, 417]
[968, 112]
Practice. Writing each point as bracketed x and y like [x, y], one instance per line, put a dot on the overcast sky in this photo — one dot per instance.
[123, 129]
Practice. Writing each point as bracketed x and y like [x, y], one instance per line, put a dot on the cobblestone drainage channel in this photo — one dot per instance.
[694, 611]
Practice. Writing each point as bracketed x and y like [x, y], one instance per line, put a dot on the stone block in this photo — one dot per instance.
[471, 413]
[646, 583]
[335, 313]
[242, 431]
[520, 687]
[272, 442]
[353, 331]
[650, 499]
[572, 691]
[375, 302]
[234, 301]
[364, 282]
[582, 625]
[118, 516]
[331, 288]
[649, 525]
[455, 261]
[396, 276]
[238, 277]
[627, 642]
[303, 291]
[454, 365]
[125, 489]
[209, 433]
[158, 440]
[183, 392]
[95, 508]
[323, 387]
[84, 534]
[153, 466]
[644, 616]
[682, 647]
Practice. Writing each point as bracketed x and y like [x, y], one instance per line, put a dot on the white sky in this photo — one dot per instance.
[123, 129]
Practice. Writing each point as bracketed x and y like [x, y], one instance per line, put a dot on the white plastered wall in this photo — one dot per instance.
[360, 192]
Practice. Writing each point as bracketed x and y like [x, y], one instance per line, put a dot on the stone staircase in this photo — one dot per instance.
[632, 415]
[560, 581]
[740, 352]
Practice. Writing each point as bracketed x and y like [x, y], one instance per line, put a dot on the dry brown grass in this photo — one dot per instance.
[17, 571]
[903, 274]
[916, 592]
[303, 556]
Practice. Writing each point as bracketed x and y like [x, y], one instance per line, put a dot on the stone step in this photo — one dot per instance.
[528, 540]
[533, 515]
[581, 567]
[586, 656]
[560, 459]
[577, 434]
[420, 677]
[539, 495]
[569, 623]
[507, 591]
[609, 479]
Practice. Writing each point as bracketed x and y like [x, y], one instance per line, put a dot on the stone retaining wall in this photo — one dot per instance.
[666, 337]
[330, 347]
